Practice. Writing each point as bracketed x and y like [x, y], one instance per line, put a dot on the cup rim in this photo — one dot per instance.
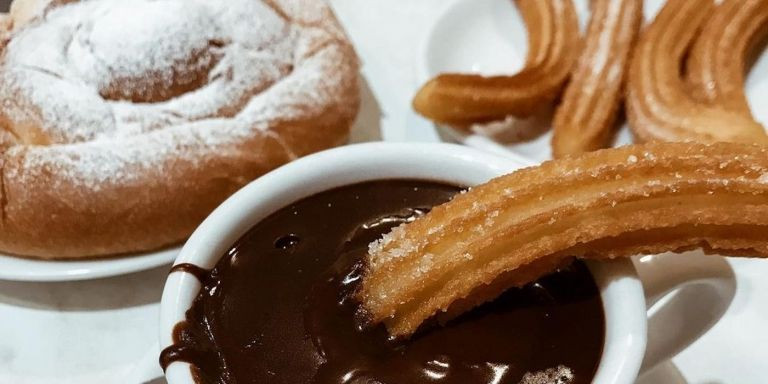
[620, 288]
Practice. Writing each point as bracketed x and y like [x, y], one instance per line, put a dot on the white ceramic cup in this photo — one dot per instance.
[709, 281]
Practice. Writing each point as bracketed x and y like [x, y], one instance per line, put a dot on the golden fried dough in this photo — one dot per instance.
[720, 56]
[659, 105]
[462, 99]
[611, 203]
[585, 118]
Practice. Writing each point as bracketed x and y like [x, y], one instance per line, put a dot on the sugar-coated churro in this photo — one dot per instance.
[610, 203]
[463, 99]
[720, 55]
[585, 118]
[658, 103]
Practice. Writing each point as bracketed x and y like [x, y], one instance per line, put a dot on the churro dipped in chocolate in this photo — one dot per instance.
[641, 199]
[463, 99]
[720, 57]
[585, 119]
[659, 106]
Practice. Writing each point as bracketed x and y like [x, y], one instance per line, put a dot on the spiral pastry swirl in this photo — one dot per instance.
[125, 122]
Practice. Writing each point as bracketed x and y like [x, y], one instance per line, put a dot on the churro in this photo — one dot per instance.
[720, 55]
[584, 120]
[463, 99]
[640, 199]
[658, 103]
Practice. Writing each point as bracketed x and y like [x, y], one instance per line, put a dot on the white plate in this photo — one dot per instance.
[489, 37]
[21, 269]
[79, 332]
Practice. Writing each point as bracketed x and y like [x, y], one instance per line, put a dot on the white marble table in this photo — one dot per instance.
[102, 331]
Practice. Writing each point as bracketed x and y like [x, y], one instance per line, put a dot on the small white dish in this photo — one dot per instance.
[666, 373]
[489, 37]
[15, 268]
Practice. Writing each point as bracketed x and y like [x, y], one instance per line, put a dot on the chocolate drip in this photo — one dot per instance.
[277, 307]
[194, 270]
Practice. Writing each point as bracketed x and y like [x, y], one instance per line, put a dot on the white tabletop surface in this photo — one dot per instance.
[103, 331]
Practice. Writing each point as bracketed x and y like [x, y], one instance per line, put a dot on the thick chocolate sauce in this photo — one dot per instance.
[277, 307]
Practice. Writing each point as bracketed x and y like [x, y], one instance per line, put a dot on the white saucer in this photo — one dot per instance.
[666, 373]
[21, 269]
[489, 37]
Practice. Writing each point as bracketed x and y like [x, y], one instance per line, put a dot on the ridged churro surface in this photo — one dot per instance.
[585, 118]
[719, 58]
[553, 40]
[659, 105]
[611, 203]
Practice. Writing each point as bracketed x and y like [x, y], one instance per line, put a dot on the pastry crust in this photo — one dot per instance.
[610, 203]
[463, 99]
[91, 166]
[585, 119]
[659, 105]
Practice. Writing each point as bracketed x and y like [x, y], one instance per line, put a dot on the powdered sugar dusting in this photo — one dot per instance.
[163, 54]
[218, 71]
[558, 375]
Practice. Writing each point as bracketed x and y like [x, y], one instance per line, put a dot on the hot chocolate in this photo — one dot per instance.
[277, 308]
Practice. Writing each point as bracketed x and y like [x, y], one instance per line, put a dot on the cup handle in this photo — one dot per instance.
[686, 295]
